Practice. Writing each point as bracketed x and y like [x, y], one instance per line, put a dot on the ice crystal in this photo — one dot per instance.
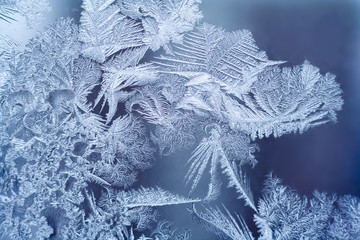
[85, 108]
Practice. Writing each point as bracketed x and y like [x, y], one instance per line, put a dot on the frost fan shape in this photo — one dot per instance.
[85, 108]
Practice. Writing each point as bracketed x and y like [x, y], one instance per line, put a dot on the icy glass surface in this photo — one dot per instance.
[147, 119]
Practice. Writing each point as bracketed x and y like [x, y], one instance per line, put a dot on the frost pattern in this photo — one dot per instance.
[226, 82]
[164, 22]
[283, 214]
[231, 80]
[83, 112]
[56, 151]
[104, 30]
[32, 10]
[218, 151]
[223, 224]
[121, 73]
[7, 10]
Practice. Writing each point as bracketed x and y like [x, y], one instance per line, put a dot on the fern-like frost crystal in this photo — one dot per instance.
[284, 214]
[85, 108]
[222, 224]
[230, 79]
[217, 150]
[104, 31]
[164, 22]
[287, 100]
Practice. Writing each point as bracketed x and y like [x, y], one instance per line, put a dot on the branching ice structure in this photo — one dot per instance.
[82, 114]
